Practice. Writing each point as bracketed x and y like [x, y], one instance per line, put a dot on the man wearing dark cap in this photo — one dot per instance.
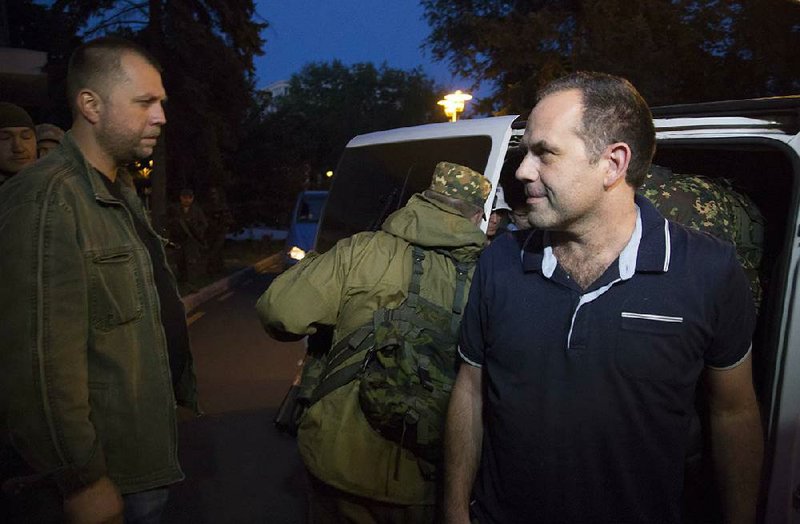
[360, 469]
[17, 140]
[95, 352]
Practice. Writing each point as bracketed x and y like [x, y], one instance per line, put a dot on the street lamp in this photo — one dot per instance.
[453, 104]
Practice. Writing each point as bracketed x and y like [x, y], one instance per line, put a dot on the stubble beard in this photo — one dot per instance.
[122, 145]
[543, 218]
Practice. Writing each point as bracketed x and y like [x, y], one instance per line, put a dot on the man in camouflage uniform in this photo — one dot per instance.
[356, 474]
[220, 220]
[188, 226]
[712, 206]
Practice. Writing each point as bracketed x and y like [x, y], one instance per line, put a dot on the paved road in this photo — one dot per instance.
[238, 468]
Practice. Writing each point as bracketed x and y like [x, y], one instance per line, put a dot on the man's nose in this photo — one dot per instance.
[17, 144]
[158, 117]
[528, 170]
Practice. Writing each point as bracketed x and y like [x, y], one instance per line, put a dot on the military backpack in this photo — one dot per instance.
[714, 206]
[406, 362]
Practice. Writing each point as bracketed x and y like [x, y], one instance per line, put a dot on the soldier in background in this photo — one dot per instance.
[188, 229]
[48, 136]
[220, 222]
[421, 252]
[714, 206]
[17, 140]
[499, 217]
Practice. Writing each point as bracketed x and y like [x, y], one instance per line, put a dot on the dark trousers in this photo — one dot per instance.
[328, 505]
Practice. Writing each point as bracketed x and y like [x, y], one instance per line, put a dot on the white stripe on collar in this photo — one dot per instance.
[549, 261]
[629, 255]
[667, 246]
[627, 258]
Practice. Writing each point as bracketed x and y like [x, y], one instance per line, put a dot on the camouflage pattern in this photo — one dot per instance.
[461, 182]
[408, 376]
[713, 206]
[405, 361]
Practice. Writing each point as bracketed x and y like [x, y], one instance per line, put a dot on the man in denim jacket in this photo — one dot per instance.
[95, 345]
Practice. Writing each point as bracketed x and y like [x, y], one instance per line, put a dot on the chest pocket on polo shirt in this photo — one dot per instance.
[653, 344]
[115, 289]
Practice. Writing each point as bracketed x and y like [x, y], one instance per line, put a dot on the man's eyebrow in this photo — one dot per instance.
[539, 145]
[149, 97]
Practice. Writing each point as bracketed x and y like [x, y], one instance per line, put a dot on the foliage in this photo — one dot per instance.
[674, 51]
[206, 50]
[292, 140]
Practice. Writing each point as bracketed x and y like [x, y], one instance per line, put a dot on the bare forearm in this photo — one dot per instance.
[463, 437]
[738, 451]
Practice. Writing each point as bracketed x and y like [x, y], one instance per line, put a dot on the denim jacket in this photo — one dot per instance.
[85, 385]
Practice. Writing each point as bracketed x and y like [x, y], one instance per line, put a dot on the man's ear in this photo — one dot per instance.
[89, 105]
[618, 157]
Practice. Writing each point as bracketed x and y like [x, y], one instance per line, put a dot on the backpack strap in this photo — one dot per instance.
[343, 350]
[352, 344]
[417, 256]
[462, 270]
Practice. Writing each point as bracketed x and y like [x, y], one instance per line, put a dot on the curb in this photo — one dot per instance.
[192, 301]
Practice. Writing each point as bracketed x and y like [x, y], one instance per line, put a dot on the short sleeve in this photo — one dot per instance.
[735, 317]
[472, 339]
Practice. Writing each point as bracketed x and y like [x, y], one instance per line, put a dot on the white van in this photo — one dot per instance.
[753, 143]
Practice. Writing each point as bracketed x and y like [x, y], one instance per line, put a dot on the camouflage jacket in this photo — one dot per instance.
[343, 287]
[712, 206]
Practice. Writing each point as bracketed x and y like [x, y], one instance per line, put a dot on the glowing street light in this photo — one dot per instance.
[453, 104]
[144, 168]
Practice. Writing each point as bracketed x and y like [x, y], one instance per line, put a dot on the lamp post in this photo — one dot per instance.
[453, 104]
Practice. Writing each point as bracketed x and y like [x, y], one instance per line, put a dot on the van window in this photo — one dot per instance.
[374, 181]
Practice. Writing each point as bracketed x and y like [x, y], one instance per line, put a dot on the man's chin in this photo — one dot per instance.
[143, 153]
[540, 220]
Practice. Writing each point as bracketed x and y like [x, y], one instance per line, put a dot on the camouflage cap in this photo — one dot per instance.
[460, 182]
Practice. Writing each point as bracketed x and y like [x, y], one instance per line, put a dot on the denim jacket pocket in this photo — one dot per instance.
[115, 289]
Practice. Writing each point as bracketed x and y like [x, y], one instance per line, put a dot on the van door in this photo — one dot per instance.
[378, 172]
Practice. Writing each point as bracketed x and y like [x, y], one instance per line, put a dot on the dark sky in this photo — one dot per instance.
[302, 31]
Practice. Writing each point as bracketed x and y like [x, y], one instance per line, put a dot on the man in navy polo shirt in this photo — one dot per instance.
[584, 338]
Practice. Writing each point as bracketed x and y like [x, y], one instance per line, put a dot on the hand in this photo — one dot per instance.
[97, 503]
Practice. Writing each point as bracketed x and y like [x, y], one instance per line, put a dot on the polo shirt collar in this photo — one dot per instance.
[648, 250]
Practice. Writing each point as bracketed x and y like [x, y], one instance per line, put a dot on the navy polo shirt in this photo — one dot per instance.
[589, 394]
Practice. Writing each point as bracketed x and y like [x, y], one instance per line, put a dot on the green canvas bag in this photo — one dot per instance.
[406, 365]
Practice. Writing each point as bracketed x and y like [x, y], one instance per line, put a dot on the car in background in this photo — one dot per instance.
[302, 235]
[753, 144]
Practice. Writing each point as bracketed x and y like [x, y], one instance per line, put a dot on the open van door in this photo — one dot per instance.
[378, 172]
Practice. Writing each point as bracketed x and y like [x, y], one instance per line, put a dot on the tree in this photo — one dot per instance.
[672, 50]
[294, 139]
[206, 50]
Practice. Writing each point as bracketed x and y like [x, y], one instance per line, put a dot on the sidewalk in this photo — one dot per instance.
[270, 264]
